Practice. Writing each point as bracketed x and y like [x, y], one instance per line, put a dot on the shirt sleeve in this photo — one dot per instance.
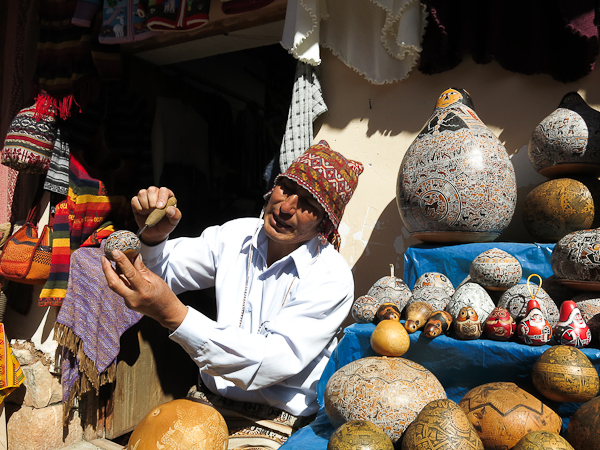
[290, 342]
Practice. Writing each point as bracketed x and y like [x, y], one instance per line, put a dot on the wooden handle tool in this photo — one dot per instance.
[155, 216]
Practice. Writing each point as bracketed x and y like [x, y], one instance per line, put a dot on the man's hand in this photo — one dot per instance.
[146, 201]
[144, 291]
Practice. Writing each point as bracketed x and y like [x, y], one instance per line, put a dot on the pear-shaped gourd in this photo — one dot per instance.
[566, 142]
[456, 183]
[390, 339]
[417, 314]
[437, 324]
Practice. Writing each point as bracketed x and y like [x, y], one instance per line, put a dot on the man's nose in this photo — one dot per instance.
[290, 204]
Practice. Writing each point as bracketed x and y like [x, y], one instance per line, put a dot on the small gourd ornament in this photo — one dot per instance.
[387, 311]
[417, 314]
[467, 325]
[437, 324]
[571, 329]
[389, 338]
[534, 329]
[499, 326]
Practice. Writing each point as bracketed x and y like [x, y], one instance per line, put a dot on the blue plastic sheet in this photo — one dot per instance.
[459, 365]
[454, 261]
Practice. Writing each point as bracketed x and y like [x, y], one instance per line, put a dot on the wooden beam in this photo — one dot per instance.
[219, 23]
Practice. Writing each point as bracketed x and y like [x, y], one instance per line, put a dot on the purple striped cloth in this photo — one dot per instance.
[89, 326]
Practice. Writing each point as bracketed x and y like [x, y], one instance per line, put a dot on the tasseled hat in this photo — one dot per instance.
[331, 179]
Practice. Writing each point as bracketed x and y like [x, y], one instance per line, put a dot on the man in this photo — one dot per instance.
[282, 293]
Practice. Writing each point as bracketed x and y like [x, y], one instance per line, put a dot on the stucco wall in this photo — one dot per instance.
[375, 124]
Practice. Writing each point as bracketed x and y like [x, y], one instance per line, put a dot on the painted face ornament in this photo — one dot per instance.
[467, 325]
[438, 323]
[571, 329]
[499, 326]
[534, 329]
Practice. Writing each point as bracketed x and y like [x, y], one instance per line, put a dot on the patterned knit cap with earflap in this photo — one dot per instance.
[331, 179]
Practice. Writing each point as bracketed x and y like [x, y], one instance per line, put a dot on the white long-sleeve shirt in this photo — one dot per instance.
[293, 309]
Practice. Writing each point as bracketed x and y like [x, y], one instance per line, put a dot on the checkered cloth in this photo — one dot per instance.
[307, 104]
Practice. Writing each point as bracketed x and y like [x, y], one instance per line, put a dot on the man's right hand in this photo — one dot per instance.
[146, 201]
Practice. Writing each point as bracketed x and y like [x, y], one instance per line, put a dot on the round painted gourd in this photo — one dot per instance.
[583, 431]
[441, 425]
[564, 374]
[390, 338]
[496, 270]
[389, 392]
[456, 182]
[575, 258]
[516, 298]
[181, 423]
[502, 413]
[123, 240]
[564, 142]
[391, 289]
[542, 440]
[364, 309]
[359, 435]
[473, 295]
[556, 208]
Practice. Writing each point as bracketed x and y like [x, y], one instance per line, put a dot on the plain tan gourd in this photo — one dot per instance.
[182, 423]
[389, 338]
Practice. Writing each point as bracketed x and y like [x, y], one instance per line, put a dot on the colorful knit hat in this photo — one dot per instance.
[330, 178]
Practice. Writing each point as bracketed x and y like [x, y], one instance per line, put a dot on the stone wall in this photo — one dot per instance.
[34, 411]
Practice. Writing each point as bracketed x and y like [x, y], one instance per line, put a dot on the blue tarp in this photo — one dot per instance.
[459, 365]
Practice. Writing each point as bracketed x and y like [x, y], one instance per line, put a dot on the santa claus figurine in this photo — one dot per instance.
[571, 329]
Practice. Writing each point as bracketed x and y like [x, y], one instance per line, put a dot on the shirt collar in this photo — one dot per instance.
[303, 257]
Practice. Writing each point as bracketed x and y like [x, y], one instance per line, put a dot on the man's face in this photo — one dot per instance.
[292, 215]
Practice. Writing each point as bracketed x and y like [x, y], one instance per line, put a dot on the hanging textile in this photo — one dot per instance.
[80, 220]
[307, 104]
[11, 375]
[554, 37]
[17, 34]
[381, 40]
[89, 327]
[57, 177]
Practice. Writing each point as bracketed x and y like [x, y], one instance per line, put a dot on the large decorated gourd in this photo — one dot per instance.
[502, 413]
[565, 374]
[583, 431]
[181, 423]
[391, 289]
[359, 435]
[441, 425]
[542, 440]
[390, 392]
[434, 288]
[456, 182]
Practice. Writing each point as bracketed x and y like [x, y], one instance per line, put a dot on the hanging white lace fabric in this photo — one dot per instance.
[379, 39]
[307, 104]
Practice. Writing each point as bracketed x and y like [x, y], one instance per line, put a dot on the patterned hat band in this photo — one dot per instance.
[329, 177]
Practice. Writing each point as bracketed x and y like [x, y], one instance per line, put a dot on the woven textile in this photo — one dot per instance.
[11, 375]
[29, 142]
[330, 178]
[89, 326]
[57, 177]
[307, 104]
[77, 218]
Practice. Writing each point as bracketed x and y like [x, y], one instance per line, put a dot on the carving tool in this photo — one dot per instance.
[155, 216]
